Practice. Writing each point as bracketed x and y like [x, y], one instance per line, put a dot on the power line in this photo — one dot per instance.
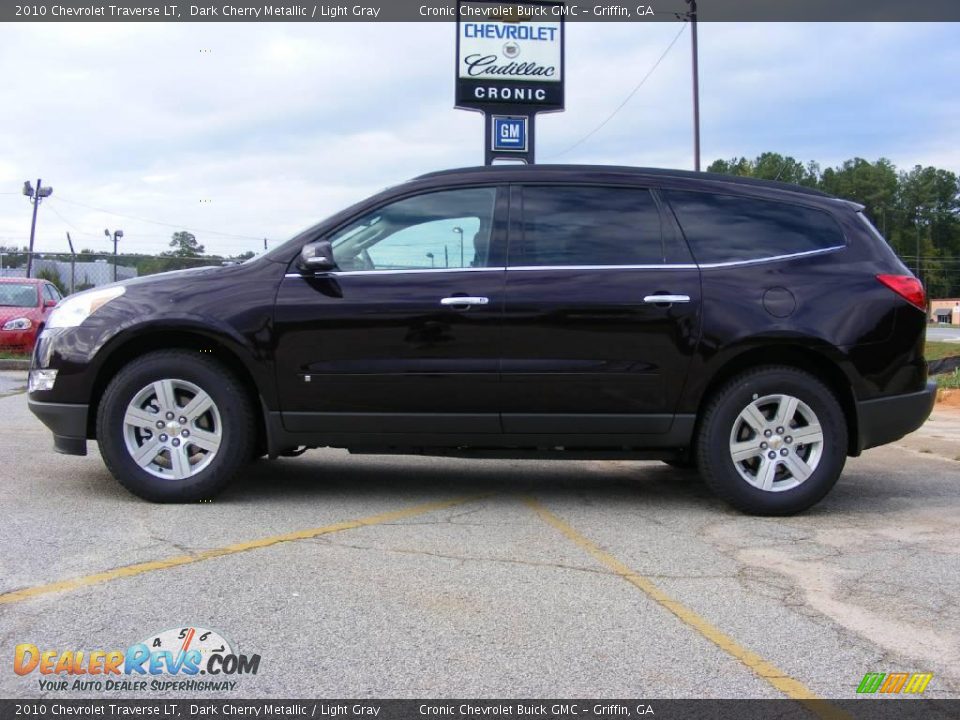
[158, 222]
[628, 98]
[139, 237]
[82, 232]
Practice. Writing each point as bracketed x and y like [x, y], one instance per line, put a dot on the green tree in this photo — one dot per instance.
[185, 245]
[13, 256]
[874, 185]
[917, 210]
[770, 166]
[52, 275]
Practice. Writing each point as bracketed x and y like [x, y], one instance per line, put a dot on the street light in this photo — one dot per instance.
[459, 231]
[117, 234]
[35, 197]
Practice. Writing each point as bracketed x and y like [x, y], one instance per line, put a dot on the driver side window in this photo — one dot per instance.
[448, 229]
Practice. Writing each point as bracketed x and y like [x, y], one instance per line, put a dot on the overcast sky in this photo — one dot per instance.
[278, 125]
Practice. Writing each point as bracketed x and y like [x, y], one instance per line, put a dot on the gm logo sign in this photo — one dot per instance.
[509, 133]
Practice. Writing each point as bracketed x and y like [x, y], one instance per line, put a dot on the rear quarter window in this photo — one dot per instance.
[730, 228]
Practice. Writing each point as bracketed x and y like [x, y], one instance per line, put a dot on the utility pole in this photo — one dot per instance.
[35, 196]
[117, 234]
[264, 244]
[919, 274]
[696, 84]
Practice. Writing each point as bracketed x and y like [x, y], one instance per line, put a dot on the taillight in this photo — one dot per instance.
[907, 287]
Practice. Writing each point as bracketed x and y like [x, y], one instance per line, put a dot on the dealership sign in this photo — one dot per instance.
[510, 63]
[509, 53]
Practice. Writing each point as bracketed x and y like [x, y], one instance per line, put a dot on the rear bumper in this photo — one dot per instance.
[68, 423]
[884, 420]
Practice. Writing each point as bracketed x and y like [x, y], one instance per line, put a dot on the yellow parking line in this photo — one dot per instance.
[145, 567]
[766, 670]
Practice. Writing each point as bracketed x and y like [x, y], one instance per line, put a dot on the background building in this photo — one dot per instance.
[945, 310]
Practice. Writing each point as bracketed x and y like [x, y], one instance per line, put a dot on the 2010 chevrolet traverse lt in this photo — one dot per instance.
[760, 331]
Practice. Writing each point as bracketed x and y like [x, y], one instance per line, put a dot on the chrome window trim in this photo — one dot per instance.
[773, 258]
[658, 266]
[396, 272]
[528, 268]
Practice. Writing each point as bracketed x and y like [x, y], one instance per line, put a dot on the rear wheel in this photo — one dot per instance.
[175, 427]
[773, 441]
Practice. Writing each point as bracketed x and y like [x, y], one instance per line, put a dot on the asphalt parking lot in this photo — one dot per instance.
[378, 576]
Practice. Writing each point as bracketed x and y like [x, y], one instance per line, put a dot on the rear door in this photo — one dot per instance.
[602, 311]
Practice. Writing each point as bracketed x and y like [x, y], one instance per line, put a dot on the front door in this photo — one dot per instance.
[602, 312]
[404, 336]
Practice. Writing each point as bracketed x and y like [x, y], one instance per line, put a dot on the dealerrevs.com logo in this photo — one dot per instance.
[187, 658]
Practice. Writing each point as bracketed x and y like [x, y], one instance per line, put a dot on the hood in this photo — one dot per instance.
[172, 275]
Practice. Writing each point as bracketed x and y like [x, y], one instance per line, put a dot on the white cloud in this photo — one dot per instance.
[278, 125]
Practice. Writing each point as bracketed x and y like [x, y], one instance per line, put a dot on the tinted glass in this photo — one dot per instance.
[52, 293]
[726, 228]
[564, 225]
[448, 229]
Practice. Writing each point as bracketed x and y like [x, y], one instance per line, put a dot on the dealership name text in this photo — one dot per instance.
[532, 12]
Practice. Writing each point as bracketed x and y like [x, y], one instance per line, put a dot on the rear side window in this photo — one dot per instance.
[573, 225]
[727, 228]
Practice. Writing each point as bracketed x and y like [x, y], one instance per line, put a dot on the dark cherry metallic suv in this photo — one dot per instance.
[760, 331]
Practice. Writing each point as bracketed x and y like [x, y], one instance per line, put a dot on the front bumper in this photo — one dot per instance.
[20, 340]
[884, 420]
[68, 423]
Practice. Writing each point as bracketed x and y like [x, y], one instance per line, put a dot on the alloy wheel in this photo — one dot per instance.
[172, 429]
[776, 442]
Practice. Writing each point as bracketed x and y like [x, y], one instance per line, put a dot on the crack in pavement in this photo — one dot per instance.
[508, 561]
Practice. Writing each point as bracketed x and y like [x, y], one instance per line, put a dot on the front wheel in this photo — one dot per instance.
[174, 426]
[772, 441]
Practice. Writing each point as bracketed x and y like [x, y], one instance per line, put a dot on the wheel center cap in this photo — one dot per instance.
[775, 442]
[173, 427]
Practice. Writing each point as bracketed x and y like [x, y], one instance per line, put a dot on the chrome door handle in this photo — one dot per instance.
[466, 300]
[664, 299]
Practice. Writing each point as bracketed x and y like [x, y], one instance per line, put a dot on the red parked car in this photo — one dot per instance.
[25, 304]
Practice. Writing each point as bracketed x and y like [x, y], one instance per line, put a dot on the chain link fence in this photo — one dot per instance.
[81, 271]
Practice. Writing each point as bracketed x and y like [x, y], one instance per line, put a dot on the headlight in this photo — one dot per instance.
[41, 380]
[18, 324]
[75, 309]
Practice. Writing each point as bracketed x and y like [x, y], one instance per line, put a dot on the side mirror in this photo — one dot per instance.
[317, 256]
[49, 303]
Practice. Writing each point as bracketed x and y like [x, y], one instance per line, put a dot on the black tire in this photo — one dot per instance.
[717, 423]
[238, 434]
